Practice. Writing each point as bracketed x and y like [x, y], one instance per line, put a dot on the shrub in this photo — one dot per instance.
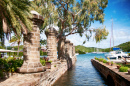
[1, 74]
[42, 61]
[10, 65]
[123, 69]
[95, 58]
[104, 61]
[112, 62]
[101, 59]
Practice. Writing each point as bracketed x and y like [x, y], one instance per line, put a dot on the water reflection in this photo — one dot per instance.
[83, 73]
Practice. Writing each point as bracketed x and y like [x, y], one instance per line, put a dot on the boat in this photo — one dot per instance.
[116, 54]
[76, 53]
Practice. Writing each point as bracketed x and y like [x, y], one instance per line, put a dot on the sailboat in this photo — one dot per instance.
[94, 51]
[117, 52]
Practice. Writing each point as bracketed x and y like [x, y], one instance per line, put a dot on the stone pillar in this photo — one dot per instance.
[67, 54]
[31, 50]
[74, 56]
[71, 50]
[51, 44]
[61, 49]
[67, 48]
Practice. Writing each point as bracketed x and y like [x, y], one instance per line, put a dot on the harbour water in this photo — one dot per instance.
[82, 73]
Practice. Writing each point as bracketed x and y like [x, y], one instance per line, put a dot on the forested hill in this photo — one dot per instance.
[82, 49]
[125, 46]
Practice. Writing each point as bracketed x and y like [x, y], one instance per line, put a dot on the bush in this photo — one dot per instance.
[42, 61]
[1, 74]
[123, 69]
[95, 58]
[104, 61]
[101, 59]
[10, 65]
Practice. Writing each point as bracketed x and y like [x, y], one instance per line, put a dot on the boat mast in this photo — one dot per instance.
[111, 38]
[112, 32]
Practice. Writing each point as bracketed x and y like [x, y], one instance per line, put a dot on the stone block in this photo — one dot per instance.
[23, 70]
[31, 70]
[40, 69]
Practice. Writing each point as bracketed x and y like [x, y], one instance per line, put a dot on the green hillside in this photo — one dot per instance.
[84, 49]
[124, 46]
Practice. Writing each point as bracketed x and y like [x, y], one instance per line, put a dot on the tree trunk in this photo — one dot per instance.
[18, 49]
[61, 49]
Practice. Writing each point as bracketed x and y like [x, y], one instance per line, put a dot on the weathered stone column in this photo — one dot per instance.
[71, 50]
[31, 51]
[74, 56]
[61, 49]
[51, 44]
[67, 47]
[67, 54]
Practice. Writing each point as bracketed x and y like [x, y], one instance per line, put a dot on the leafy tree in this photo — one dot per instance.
[100, 34]
[76, 16]
[16, 39]
[43, 42]
[14, 16]
[72, 16]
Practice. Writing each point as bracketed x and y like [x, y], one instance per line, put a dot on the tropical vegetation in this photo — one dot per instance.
[14, 17]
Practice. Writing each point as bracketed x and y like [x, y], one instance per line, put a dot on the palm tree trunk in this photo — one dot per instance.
[18, 49]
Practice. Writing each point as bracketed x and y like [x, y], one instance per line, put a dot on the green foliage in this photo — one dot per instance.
[42, 61]
[101, 34]
[86, 49]
[43, 42]
[10, 65]
[1, 74]
[128, 54]
[101, 59]
[81, 52]
[42, 53]
[1, 47]
[123, 69]
[95, 58]
[49, 61]
[112, 62]
[15, 17]
[14, 53]
[104, 61]
[125, 65]
[124, 46]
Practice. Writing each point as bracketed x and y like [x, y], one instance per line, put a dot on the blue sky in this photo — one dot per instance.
[119, 10]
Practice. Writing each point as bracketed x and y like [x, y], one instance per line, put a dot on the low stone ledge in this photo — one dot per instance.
[46, 78]
[119, 78]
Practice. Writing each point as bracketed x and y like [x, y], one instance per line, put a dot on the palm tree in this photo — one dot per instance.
[14, 16]
[16, 39]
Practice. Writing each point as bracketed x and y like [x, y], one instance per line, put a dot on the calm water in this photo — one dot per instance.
[83, 73]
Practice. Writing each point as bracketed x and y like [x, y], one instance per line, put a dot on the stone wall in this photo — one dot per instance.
[31, 50]
[46, 78]
[51, 44]
[112, 74]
